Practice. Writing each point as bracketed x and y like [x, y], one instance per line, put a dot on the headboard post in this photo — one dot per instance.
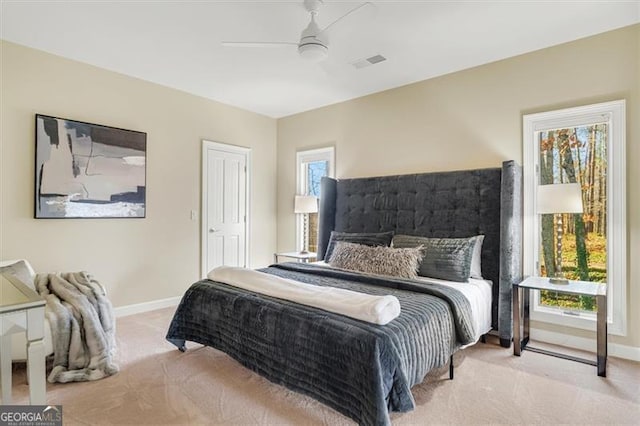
[327, 214]
[510, 246]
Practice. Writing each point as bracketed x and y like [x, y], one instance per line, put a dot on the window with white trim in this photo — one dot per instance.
[585, 146]
[311, 166]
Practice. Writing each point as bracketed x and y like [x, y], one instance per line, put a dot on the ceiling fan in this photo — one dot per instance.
[314, 41]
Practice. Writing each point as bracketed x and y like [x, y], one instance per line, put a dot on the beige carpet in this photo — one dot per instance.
[160, 385]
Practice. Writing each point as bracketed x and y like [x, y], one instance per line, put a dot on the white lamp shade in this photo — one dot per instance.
[305, 204]
[559, 198]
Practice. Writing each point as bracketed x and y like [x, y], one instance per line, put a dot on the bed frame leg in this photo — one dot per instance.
[451, 367]
[483, 338]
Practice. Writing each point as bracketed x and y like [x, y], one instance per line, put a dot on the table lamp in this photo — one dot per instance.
[557, 199]
[305, 204]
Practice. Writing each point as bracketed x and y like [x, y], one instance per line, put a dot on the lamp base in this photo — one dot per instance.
[559, 280]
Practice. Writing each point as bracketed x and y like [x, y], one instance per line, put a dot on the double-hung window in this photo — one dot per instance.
[311, 166]
[584, 146]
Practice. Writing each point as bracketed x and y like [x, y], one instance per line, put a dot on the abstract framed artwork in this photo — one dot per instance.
[86, 170]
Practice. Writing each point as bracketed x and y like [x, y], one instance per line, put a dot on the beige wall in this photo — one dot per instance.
[473, 119]
[463, 120]
[138, 260]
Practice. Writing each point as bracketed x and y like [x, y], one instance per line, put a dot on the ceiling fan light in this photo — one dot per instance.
[313, 52]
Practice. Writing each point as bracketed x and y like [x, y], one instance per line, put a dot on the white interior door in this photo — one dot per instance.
[225, 205]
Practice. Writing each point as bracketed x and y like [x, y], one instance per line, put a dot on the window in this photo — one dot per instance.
[311, 166]
[584, 146]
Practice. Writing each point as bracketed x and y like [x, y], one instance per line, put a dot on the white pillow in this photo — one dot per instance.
[476, 258]
[21, 269]
[11, 262]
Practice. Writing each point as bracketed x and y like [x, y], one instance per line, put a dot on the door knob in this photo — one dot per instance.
[213, 230]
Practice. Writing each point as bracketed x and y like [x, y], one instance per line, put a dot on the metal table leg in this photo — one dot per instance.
[526, 297]
[516, 320]
[601, 335]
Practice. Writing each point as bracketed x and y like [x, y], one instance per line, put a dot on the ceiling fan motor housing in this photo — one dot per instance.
[312, 46]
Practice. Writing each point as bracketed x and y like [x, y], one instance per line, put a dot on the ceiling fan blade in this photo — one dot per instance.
[258, 44]
[355, 9]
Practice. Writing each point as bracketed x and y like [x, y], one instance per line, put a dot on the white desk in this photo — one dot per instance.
[586, 288]
[22, 309]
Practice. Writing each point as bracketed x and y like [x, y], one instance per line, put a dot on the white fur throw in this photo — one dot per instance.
[379, 260]
[82, 326]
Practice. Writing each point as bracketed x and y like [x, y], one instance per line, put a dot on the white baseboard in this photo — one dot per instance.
[138, 308]
[613, 349]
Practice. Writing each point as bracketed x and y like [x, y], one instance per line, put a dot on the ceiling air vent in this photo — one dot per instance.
[366, 62]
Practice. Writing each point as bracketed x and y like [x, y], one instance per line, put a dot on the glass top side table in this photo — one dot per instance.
[300, 257]
[521, 311]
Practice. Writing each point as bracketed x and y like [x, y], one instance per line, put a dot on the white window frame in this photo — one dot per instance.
[309, 156]
[613, 113]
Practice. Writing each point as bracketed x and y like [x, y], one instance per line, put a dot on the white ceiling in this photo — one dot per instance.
[178, 43]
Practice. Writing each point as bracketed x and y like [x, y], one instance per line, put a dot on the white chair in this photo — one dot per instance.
[19, 340]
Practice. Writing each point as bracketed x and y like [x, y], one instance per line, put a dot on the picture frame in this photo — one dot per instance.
[86, 170]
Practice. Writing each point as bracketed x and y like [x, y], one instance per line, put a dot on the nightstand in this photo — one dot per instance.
[583, 288]
[301, 257]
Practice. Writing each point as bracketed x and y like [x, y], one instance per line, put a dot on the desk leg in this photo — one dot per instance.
[5, 368]
[601, 336]
[516, 320]
[35, 357]
[36, 373]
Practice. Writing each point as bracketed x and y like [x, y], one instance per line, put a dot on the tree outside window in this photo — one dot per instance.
[315, 171]
[576, 155]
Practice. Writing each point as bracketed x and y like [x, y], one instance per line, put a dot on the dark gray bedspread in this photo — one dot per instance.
[362, 370]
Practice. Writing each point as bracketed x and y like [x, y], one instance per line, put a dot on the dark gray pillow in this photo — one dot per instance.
[367, 239]
[20, 270]
[379, 260]
[445, 258]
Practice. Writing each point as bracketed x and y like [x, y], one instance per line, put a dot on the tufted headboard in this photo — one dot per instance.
[443, 204]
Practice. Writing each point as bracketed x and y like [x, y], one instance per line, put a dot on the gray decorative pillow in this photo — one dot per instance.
[20, 270]
[379, 260]
[445, 258]
[367, 239]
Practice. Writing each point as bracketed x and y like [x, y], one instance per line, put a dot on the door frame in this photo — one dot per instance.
[246, 152]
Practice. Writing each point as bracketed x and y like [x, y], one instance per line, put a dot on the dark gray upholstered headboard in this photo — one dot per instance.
[443, 204]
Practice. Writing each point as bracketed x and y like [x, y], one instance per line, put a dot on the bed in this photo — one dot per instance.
[363, 370]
